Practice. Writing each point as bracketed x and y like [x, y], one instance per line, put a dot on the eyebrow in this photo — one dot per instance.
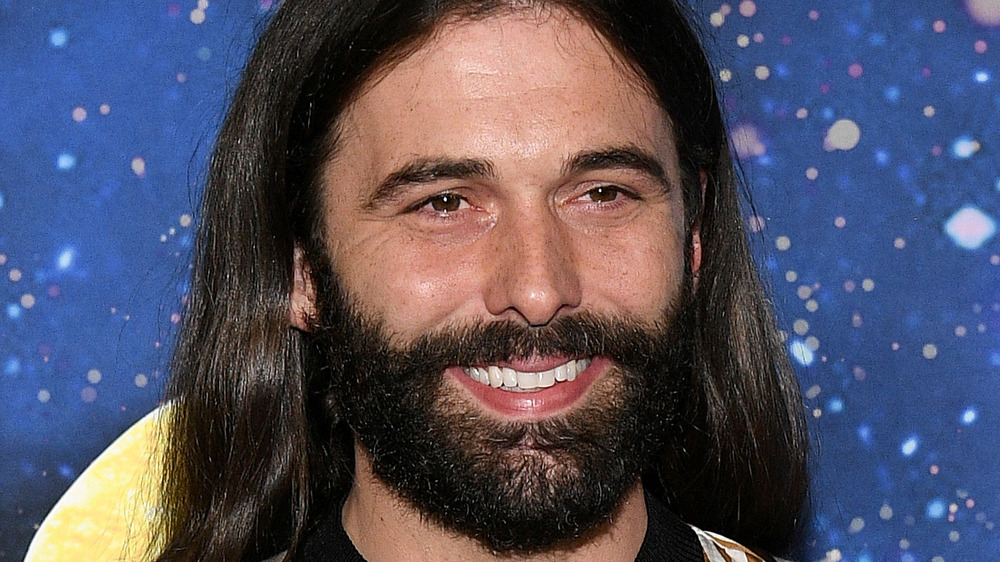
[427, 170]
[619, 158]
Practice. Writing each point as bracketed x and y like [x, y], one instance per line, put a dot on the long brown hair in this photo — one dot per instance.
[247, 453]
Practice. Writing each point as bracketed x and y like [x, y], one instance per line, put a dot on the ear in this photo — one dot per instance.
[696, 232]
[302, 310]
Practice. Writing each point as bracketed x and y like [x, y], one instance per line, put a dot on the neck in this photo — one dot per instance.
[385, 528]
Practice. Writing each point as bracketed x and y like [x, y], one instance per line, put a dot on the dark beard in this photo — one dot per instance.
[517, 487]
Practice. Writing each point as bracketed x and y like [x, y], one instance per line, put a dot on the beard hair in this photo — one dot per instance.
[518, 487]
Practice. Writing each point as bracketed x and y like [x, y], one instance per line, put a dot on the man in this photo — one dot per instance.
[472, 284]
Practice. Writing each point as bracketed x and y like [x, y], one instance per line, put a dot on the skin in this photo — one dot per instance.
[530, 240]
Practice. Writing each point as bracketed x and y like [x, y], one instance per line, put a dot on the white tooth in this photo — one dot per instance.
[483, 375]
[496, 376]
[572, 371]
[561, 371]
[509, 377]
[527, 381]
[547, 378]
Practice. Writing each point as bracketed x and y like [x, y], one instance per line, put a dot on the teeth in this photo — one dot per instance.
[547, 378]
[496, 376]
[527, 381]
[509, 379]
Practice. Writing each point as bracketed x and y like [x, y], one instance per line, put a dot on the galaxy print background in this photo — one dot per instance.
[870, 132]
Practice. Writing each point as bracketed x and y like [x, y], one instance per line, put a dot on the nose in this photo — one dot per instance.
[535, 277]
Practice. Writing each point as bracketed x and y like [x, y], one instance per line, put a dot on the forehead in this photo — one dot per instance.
[529, 42]
[515, 84]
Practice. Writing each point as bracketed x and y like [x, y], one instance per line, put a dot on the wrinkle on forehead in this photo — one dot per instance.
[628, 76]
[539, 13]
[469, 64]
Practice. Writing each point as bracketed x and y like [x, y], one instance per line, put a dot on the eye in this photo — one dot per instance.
[605, 194]
[444, 203]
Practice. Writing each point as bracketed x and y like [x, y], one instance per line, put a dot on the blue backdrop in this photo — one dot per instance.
[868, 130]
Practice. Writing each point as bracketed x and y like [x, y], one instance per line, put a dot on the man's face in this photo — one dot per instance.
[504, 210]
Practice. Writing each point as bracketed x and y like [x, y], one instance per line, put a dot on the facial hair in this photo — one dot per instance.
[518, 487]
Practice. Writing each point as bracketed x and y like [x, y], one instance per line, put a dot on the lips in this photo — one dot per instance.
[513, 380]
[536, 393]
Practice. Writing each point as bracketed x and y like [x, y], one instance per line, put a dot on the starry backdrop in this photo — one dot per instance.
[868, 131]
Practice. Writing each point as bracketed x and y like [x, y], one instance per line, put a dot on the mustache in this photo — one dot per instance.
[628, 342]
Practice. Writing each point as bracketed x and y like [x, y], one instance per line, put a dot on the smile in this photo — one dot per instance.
[513, 380]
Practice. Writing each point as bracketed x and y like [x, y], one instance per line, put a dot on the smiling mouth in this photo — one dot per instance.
[505, 378]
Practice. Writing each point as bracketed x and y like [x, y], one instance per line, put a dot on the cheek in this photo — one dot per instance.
[414, 286]
[637, 273]
[639, 283]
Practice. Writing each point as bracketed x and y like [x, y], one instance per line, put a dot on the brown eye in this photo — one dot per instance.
[603, 194]
[445, 203]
